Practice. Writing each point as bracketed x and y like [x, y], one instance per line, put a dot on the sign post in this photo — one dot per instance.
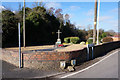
[87, 52]
[92, 53]
[19, 45]
[88, 46]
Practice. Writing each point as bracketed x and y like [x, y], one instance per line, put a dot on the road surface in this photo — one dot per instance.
[107, 68]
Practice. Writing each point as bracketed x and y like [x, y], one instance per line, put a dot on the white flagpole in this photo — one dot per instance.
[98, 22]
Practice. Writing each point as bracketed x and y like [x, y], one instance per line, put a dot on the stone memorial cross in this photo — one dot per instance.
[59, 34]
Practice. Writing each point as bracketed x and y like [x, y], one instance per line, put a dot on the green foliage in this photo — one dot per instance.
[9, 28]
[82, 34]
[67, 40]
[40, 26]
[40, 22]
[104, 35]
[90, 41]
[90, 33]
[82, 43]
[74, 40]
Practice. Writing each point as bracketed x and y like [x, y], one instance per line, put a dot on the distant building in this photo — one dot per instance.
[116, 38]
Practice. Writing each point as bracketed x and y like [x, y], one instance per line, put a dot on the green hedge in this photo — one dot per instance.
[82, 43]
[73, 40]
[67, 40]
[90, 41]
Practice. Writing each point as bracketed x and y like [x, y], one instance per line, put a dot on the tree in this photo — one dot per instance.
[104, 35]
[42, 23]
[67, 17]
[10, 28]
[51, 11]
[89, 27]
[41, 26]
[60, 17]
[111, 32]
[90, 33]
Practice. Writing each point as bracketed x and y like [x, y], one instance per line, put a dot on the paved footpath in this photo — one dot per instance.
[11, 71]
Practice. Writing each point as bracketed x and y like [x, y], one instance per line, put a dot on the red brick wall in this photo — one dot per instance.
[40, 56]
[51, 59]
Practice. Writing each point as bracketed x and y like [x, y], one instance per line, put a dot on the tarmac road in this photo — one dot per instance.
[108, 68]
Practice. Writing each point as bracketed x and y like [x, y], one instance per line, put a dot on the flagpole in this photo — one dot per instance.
[98, 22]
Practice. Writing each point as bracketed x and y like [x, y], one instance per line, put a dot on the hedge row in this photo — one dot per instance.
[73, 40]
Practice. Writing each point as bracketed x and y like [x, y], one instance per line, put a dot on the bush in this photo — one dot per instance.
[90, 41]
[107, 39]
[67, 40]
[86, 43]
[65, 43]
[82, 43]
[74, 40]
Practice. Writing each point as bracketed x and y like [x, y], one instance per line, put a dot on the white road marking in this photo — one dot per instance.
[89, 66]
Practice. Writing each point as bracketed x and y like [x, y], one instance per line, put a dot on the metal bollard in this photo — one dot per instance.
[90, 45]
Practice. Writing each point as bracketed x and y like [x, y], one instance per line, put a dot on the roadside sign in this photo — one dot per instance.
[90, 45]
